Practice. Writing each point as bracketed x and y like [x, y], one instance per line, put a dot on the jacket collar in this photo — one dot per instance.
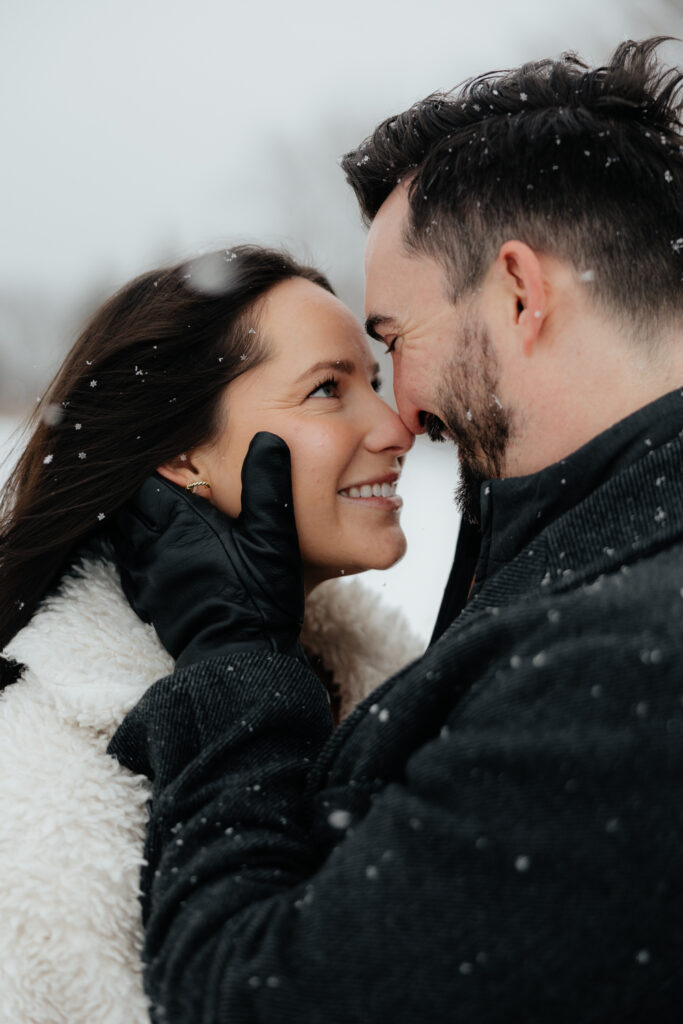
[92, 658]
[87, 651]
[516, 510]
[623, 496]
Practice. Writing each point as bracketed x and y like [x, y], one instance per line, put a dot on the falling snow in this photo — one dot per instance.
[339, 819]
[52, 415]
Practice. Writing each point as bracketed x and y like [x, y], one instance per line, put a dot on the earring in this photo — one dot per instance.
[197, 483]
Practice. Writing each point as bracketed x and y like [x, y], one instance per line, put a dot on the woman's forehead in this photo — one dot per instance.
[300, 320]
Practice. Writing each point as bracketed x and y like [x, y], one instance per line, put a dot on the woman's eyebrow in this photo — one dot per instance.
[345, 366]
[338, 365]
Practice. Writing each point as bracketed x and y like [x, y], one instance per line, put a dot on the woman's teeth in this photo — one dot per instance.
[370, 491]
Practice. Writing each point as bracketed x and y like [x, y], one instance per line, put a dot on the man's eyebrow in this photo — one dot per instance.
[376, 320]
[344, 366]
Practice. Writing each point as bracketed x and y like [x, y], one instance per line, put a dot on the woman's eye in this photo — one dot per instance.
[377, 385]
[328, 389]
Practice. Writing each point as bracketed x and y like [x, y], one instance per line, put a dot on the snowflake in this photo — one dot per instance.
[47, 460]
[93, 383]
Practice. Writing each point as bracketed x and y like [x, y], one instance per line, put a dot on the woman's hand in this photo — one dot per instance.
[212, 585]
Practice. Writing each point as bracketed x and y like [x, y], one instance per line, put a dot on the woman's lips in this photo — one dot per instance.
[373, 490]
[376, 493]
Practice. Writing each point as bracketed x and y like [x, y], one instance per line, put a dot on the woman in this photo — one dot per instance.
[175, 374]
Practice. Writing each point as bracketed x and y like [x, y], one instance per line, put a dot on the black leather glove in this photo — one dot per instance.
[209, 584]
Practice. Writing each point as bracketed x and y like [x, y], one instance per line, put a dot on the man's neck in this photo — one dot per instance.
[586, 394]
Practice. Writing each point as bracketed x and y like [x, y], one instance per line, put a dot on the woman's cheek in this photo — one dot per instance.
[226, 494]
[225, 474]
[315, 453]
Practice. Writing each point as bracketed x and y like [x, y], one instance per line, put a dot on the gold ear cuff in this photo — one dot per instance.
[197, 483]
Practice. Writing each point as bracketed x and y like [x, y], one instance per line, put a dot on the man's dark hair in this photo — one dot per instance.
[585, 164]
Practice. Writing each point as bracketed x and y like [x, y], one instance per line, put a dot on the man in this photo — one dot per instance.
[497, 834]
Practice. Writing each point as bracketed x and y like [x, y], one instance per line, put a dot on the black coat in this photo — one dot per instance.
[496, 834]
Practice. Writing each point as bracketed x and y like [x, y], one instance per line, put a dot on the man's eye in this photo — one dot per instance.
[391, 345]
[328, 389]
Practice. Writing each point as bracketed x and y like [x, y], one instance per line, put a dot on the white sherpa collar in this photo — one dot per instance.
[87, 645]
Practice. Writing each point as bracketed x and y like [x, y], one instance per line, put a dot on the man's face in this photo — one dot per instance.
[446, 375]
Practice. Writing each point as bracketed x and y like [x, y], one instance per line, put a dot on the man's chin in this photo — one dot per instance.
[468, 493]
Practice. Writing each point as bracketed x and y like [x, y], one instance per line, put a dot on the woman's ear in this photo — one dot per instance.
[182, 470]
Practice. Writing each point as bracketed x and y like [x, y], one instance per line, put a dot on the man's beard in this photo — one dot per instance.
[473, 416]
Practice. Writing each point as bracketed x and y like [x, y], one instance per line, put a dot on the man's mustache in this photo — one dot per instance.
[438, 430]
[434, 427]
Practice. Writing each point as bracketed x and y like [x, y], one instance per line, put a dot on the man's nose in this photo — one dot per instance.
[411, 414]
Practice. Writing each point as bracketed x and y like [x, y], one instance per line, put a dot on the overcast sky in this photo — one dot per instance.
[136, 130]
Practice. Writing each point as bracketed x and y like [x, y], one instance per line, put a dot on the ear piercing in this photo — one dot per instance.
[197, 483]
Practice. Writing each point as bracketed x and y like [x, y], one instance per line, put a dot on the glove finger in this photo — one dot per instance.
[149, 510]
[267, 502]
[267, 536]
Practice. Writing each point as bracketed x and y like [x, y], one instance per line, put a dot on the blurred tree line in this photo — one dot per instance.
[309, 210]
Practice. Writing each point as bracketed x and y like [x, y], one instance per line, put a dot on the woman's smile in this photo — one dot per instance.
[377, 493]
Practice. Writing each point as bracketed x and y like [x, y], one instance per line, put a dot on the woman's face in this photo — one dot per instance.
[317, 390]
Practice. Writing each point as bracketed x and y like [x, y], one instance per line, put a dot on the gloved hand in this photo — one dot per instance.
[209, 584]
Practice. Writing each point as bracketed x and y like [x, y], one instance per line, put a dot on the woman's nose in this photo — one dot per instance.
[387, 430]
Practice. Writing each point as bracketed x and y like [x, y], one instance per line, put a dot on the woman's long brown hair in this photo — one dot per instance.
[141, 385]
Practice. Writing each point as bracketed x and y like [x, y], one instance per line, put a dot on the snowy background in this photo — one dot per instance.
[145, 131]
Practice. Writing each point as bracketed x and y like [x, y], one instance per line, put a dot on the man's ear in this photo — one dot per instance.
[183, 470]
[522, 276]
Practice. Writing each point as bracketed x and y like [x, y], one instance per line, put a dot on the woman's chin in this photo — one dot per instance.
[387, 559]
[379, 556]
